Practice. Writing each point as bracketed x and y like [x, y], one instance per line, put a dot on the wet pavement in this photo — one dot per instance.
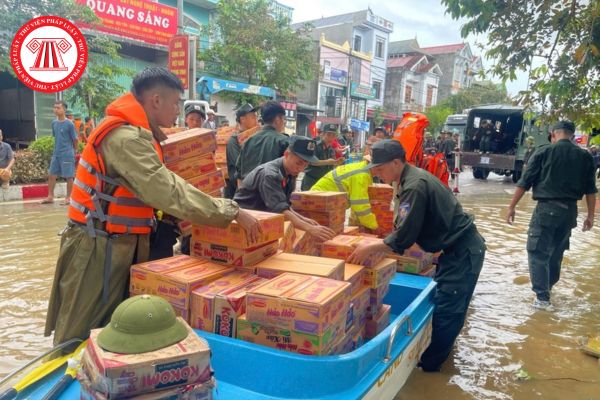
[503, 334]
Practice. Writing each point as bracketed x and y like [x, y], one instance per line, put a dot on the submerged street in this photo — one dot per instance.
[503, 336]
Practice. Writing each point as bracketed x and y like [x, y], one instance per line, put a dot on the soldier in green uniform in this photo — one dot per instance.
[428, 214]
[266, 145]
[560, 174]
[325, 153]
[245, 116]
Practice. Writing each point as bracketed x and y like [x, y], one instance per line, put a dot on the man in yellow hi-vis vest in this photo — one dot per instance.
[353, 179]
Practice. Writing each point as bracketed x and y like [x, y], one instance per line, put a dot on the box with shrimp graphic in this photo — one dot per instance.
[298, 302]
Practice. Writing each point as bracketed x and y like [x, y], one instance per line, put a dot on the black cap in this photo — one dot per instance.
[304, 148]
[566, 125]
[245, 109]
[270, 109]
[386, 150]
[330, 128]
[190, 108]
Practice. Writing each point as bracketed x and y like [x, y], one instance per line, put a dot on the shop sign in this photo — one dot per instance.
[362, 91]
[179, 58]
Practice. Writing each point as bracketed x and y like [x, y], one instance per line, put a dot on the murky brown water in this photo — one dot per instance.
[503, 333]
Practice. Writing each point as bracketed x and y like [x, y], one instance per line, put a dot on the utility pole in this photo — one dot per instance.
[348, 87]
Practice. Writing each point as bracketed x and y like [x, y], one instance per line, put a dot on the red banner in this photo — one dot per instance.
[143, 20]
[179, 58]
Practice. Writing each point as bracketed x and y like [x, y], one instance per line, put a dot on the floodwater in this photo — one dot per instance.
[503, 335]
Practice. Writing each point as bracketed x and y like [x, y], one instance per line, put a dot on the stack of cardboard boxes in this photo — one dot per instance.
[377, 278]
[381, 198]
[415, 261]
[342, 246]
[222, 137]
[326, 208]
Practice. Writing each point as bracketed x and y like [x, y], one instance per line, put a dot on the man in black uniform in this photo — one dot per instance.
[245, 116]
[267, 144]
[428, 214]
[269, 186]
[560, 174]
[326, 154]
[194, 116]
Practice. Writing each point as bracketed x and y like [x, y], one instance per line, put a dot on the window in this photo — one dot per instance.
[379, 47]
[357, 43]
[327, 63]
[377, 87]
[429, 100]
[408, 94]
[356, 70]
[331, 101]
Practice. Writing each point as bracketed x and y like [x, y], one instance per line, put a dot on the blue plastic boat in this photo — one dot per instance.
[376, 370]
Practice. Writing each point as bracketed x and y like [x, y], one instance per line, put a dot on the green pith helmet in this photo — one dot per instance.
[142, 324]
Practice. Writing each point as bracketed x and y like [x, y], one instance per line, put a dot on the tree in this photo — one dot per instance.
[437, 117]
[478, 94]
[378, 116]
[561, 36]
[250, 42]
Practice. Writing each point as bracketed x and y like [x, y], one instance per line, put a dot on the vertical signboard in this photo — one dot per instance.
[179, 58]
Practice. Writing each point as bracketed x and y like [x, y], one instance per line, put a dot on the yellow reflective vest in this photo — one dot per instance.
[354, 180]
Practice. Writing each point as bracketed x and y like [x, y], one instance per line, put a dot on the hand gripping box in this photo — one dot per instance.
[319, 201]
[380, 273]
[176, 286]
[342, 246]
[354, 274]
[298, 302]
[123, 375]
[381, 191]
[231, 255]
[290, 340]
[231, 304]
[202, 307]
[235, 236]
[379, 322]
[190, 167]
[188, 144]
[300, 264]
[208, 183]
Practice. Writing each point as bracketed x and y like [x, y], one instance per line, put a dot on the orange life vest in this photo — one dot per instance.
[119, 211]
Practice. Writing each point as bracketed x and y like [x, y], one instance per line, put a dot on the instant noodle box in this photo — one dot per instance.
[168, 264]
[357, 311]
[305, 244]
[190, 167]
[176, 286]
[231, 255]
[286, 243]
[351, 230]
[231, 304]
[376, 296]
[381, 191]
[319, 201]
[203, 298]
[381, 206]
[300, 264]
[354, 274]
[122, 375]
[188, 144]
[299, 302]
[207, 183]
[379, 322]
[247, 134]
[429, 272]
[184, 313]
[333, 219]
[289, 340]
[235, 236]
[342, 246]
[380, 274]
[412, 265]
[221, 154]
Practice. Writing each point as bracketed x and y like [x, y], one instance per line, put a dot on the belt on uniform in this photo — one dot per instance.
[560, 203]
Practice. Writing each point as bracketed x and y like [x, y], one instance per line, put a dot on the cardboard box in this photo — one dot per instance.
[235, 236]
[301, 264]
[319, 201]
[230, 305]
[380, 274]
[429, 272]
[208, 183]
[231, 255]
[185, 227]
[342, 246]
[172, 130]
[305, 244]
[122, 375]
[299, 302]
[354, 274]
[379, 322]
[176, 286]
[168, 264]
[411, 265]
[221, 154]
[357, 311]
[247, 134]
[335, 218]
[381, 191]
[351, 230]
[376, 296]
[224, 133]
[188, 144]
[190, 167]
[203, 298]
[223, 167]
[286, 243]
[289, 340]
[184, 313]
[381, 206]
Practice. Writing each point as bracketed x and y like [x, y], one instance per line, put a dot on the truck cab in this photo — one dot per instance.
[456, 123]
[505, 150]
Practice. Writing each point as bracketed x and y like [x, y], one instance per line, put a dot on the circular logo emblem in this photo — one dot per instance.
[49, 54]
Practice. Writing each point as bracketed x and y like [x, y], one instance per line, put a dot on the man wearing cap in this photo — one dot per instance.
[325, 153]
[427, 213]
[429, 143]
[266, 145]
[269, 186]
[560, 174]
[7, 160]
[245, 116]
[194, 116]
[210, 123]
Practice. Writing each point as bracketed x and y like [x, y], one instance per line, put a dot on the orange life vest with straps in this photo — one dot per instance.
[118, 211]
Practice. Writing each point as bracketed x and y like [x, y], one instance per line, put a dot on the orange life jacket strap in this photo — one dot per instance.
[122, 201]
[98, 174]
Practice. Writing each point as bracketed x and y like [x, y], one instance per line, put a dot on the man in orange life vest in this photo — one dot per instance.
[119, 181]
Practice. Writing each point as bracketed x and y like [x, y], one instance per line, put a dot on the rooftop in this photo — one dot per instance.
[445, 49]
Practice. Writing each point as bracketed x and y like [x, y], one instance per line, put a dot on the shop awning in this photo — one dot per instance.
[215, 85]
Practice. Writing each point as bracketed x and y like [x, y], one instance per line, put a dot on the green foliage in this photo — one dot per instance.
[29, 167]
[563, 37]
[250, 43]
[479, 94]
[437, 117]
[378, 116]
[43, 147]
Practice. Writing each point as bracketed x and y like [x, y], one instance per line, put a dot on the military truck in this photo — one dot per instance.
[511, 126]
[456, 123]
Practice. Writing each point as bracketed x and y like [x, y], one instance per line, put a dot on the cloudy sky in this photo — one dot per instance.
[423, 19]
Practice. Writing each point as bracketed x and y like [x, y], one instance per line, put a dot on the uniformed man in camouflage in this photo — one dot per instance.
[326, 154]
[428, 214]
[560, 174]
